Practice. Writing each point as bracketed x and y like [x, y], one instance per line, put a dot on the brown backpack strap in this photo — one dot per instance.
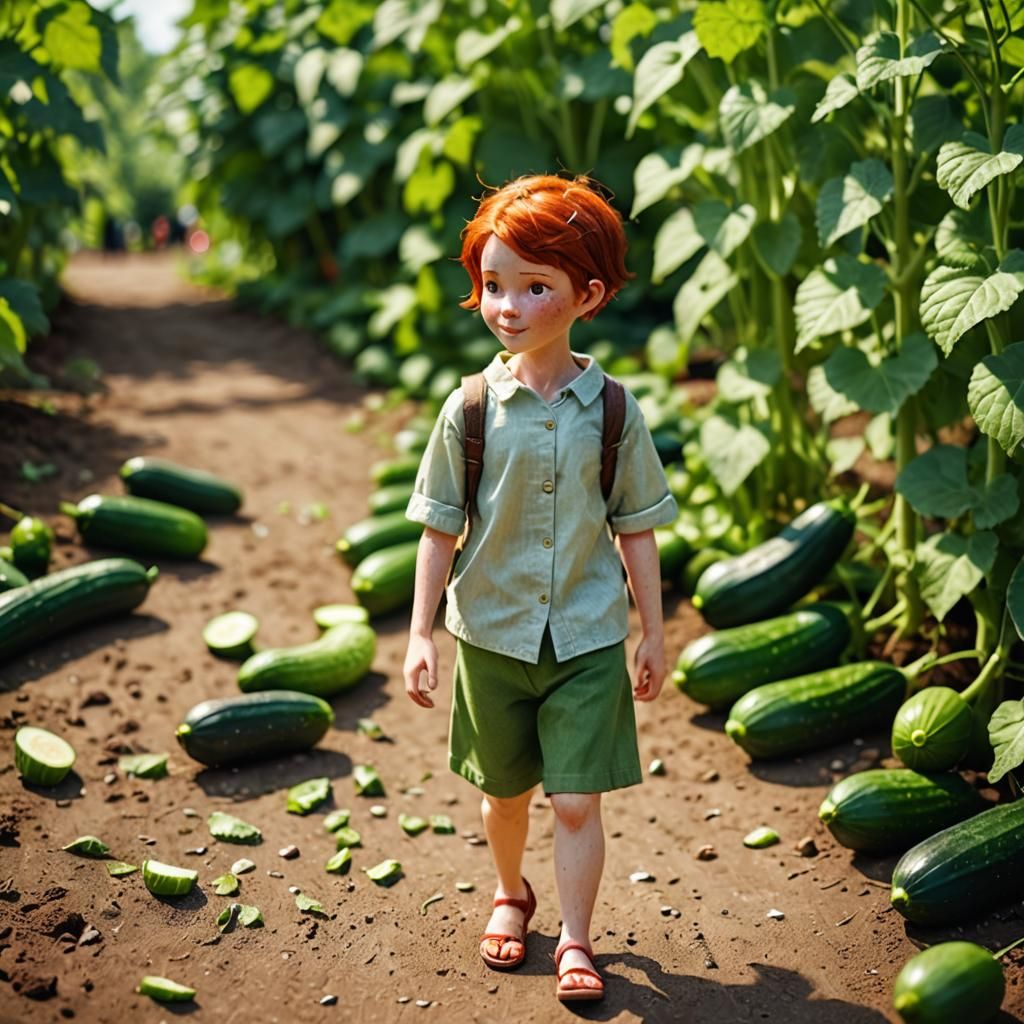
[474, 403]
[613, 395]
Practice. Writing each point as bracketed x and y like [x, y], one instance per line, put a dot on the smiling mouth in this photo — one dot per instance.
[511, 330]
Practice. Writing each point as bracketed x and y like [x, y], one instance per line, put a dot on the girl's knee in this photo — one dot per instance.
[506, 807]
[574, 810]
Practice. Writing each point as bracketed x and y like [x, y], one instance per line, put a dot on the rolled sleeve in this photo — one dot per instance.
[438, 498]
[435, 514]
[661, 514]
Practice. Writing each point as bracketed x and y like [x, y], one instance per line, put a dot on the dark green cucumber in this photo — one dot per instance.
[796, 715]
[138, 525]
[672, 552]
[43, 609]
[952, 981]
[384, 580]
[31, 544]
[374, 533]
[888, 810]
[719, 668]
[695, 566]
[256, 725]
[335, 662]
[10, 577]
[194, 489]
[395, 471]
[932, 730]
[768, 578]
[964, 870]
[392, 498]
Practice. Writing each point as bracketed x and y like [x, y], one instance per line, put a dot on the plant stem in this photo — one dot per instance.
[11, 513]
[886, 618]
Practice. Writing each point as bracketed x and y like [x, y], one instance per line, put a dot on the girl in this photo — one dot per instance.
[537, 600]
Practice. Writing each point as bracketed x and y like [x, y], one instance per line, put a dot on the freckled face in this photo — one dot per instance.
[527, 306]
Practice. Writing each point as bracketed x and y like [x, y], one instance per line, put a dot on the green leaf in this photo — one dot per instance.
[997, 502]
[882, 386]
[665, 353]
[1006, 734]
[954, 300]
[659, 70]
[707, 286]
[250, 85]
[418, 248]
[837, 296]
[880, 437]
[305, 796]
[731, 450]
[344, 68]
[144, 766]
[933, 122]
[878, 60]
[635, 20]
[828, 403]
[1015, 598]
[748, 374]
[119, 868]
[407, 20]
[778, 242]
[935, 483]
[226, 885]
[724, 229]
[659, 172]
[429, 187]
[392, 305]
[961, 238]
[451, 92]
[677, 241]
[472, 46]
[308, 73]
[308, 905]
[72, 40]
[727, 29]
[847, 203]
[24, 299]
[460, 139]
[240, 914]
[231, 829]
[747, 113]
[841, 90]
[277, 130]
[591, 78]
[950, 566]
[965, 167]
[843, 453]
[567, 12]
[995, 396]
[87, 846]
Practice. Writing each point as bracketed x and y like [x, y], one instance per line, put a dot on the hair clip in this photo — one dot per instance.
[573, 217]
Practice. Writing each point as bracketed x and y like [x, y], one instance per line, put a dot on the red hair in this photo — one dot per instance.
[556, 221]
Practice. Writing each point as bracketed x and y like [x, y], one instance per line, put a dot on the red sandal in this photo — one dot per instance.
[577, 993]
[527, 906]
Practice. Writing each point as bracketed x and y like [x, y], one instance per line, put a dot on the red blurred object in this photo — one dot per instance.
[161, 231]
[328, 268]
[199, 241]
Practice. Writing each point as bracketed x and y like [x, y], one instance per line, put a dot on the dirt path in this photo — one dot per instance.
[190, 378]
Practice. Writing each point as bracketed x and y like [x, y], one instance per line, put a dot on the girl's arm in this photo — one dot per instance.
[433, 557]
[640, 556]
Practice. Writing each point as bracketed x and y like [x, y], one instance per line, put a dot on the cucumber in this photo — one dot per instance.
[230, 635]
[964, 870]
[932, 730]
[138, 525]
[328, 615]
[42, 757]
[392, 498]
[672, 551]
[384, 580]
[374, 533]
[796, 715]
[696, 565]
[10, 577]
[395, 471]
[888, 810]
[253, 726]
[952, 981]
[768, 578]
[53, 604]
[721, 667]
[327, 666]
[166, 879]
[31, 543]
[163, 990]
[194, 489]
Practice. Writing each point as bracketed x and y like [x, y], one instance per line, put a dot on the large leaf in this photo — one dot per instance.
[15, 66]
[997, 501]
[70, 37]
[731, 450]
[955, 300]
[709, 284]
[847, 203]
[964, 167]
[995, 396]
[658, 70]
[950, 566]
[658, 172]
[635, 20]
[344, 68]
[1015, 598]
[836, 296]
[748, 374]
[842, 89]
[592, 78]
[407, 20]
[879, 60]
[727, 29]
[430, 185]
[724, 229]
[828, 403]
[778, 242]
[1006, 734]
[935, 483]
[309, 72]
[883, 385]
[933, 122]
[472, 45]
[250, 85]
[24, 300]
[277, 130]
[567, 12]
[676, 241]
[961, 238]
[418, 247]
[452, 91]
[748, 113]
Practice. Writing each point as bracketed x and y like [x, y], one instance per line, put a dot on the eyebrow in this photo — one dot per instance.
[522, 273]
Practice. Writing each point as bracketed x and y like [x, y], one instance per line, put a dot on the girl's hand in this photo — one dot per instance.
[419, 658]
[650, 669]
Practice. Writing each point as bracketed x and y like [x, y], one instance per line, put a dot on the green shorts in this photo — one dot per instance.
[569, 724]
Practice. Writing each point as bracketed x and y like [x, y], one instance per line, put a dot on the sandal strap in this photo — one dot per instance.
[572, 944]
[581, 970]
[501, 937]
[507, 901]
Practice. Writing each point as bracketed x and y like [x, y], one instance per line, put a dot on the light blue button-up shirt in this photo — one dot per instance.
[540, 553]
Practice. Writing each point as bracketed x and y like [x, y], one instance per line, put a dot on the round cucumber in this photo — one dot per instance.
[163, 990]
[230, 635]
[932, 730]
[166, 879]
[947, 982]
[31, 541]
[42, 757]
[328, 615]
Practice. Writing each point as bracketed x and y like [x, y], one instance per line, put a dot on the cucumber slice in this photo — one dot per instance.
[230, 635]
[166, 879]
[328, 615]
[41, 757]
[163, 990]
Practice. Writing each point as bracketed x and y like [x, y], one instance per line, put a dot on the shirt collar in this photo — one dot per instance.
[586, 387]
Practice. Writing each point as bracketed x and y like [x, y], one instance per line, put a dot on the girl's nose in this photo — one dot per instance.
[508, 307]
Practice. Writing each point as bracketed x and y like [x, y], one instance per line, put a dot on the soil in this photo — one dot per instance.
[187, 376]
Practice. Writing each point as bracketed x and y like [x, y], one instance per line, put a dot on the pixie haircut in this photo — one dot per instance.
[560, 222]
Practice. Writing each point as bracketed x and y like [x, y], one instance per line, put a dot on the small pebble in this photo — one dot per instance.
[63, 803]
[710, 776]
[148, 840]
[240, 867]
[656, 767]
[713, 812]
[707, 852]
[423, 1003]
[838, 765]
[641, 876]
[492, 989]
[294, 890]
[288, 852]
[378, 810]
[403, 999]
[807, 847]
[328, 1000]
[190, 812]
[197, 851]
[275, 874]
[110, 778]
[775, 915]
[666, 911]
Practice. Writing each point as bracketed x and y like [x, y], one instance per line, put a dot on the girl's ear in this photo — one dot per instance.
[595, 293]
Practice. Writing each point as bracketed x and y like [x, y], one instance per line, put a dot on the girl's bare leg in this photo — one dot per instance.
[506, 821]
[579, 862]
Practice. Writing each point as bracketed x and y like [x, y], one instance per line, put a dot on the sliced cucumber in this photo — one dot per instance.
[41, 757]
[230, 635]
[328, 615]
[163, 990]
[166, 879]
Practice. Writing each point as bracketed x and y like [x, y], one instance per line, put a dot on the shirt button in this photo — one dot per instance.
[543, 599]
[547, 486]
[550, 424]
[547, 542]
